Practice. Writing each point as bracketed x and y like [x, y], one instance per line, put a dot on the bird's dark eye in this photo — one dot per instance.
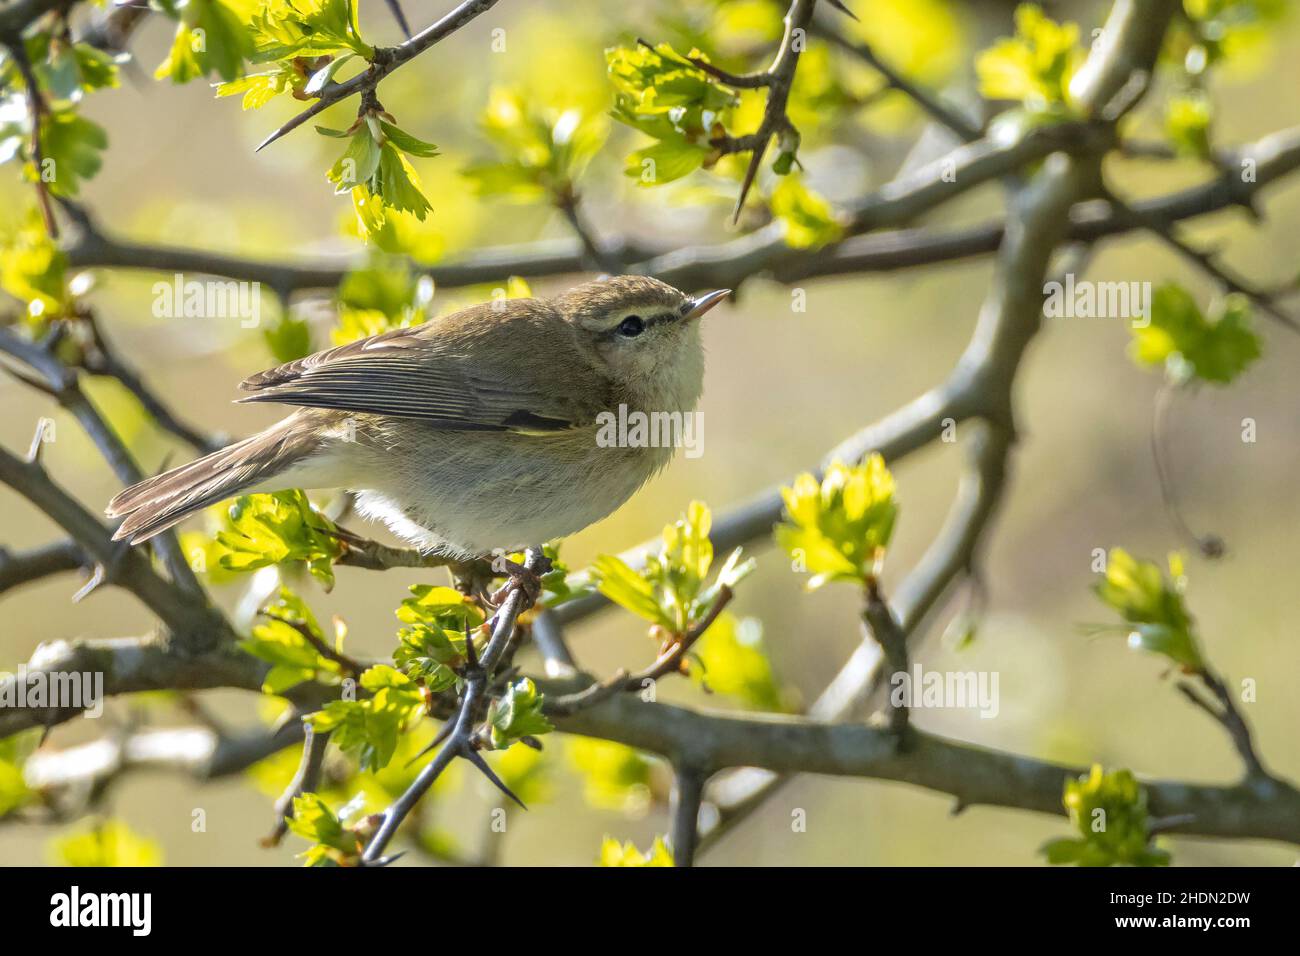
[632, 326]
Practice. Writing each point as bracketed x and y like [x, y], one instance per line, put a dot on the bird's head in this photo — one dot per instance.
[645, 332]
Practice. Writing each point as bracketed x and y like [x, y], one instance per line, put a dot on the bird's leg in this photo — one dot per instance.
[521, 578]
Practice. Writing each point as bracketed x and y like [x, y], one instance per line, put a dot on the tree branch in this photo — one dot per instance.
[1265, 809]
[719, 265]
[973, 775]
[386, 61]
[23, 567]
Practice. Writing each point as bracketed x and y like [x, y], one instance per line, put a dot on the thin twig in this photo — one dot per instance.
[568, 205]
[386, 60]
[780, 80]
[1209, 545]
[670, 660]
[63, 383]
[102, 359]
[190, 617]
[732, 263]
[37, 109]
[891, 637]
[1203, 260]
[22, 567]
[305, 780]
[350, 666]
[1229, 715]
[457, 736]
[928, 102]
[688, 791]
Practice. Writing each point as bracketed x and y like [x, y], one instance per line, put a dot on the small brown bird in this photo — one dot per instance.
[474, 431]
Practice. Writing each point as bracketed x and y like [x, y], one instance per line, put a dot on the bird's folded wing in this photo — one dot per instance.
[409, 373]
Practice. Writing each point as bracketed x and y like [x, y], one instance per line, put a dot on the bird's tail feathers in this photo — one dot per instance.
[156, 504]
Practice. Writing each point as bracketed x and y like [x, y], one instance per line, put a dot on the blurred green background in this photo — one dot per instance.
[782, 388]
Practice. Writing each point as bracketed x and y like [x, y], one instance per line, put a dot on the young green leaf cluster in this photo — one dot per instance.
[665, 96]
[1109, 811]
[1192, 346]
[270, 529]
[290, 641]
[1153, 604]
[838, 528]
[670, 591]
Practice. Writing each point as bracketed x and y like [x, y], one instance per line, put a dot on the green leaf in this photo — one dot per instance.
[288, 339]
[838, 529]
[285, 29]
[33, 269]
[517, 713]
[210, 38]
[670, 593]
[612, 853]
[664, 162]
[334, 844]
[441, 607]
[1187, 343]
[406, 142]
[1109, 812]
[628, 589]
[398, 185]
[14, 751]
[359, 162]
[1142, 595]
[106, 843]
[615, 776]
[67, 71]
[809, 222]
[368, 729]
[663, 95]
[1187, 122]
[269, 529]
[378, 176]
[1035, 66]
[661, 81]
[735, 663]
[71, 146]
[280, 642]
[431, 650]
[258, 89]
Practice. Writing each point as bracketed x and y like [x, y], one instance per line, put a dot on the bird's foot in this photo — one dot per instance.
[520, 578]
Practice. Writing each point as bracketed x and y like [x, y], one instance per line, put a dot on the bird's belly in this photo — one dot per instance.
[472, 493]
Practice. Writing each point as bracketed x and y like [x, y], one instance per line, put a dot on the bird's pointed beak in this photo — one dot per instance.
[701, 304]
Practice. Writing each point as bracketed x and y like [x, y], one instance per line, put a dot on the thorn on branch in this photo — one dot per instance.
[839, 5]
[383, 61]
[395, 8]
